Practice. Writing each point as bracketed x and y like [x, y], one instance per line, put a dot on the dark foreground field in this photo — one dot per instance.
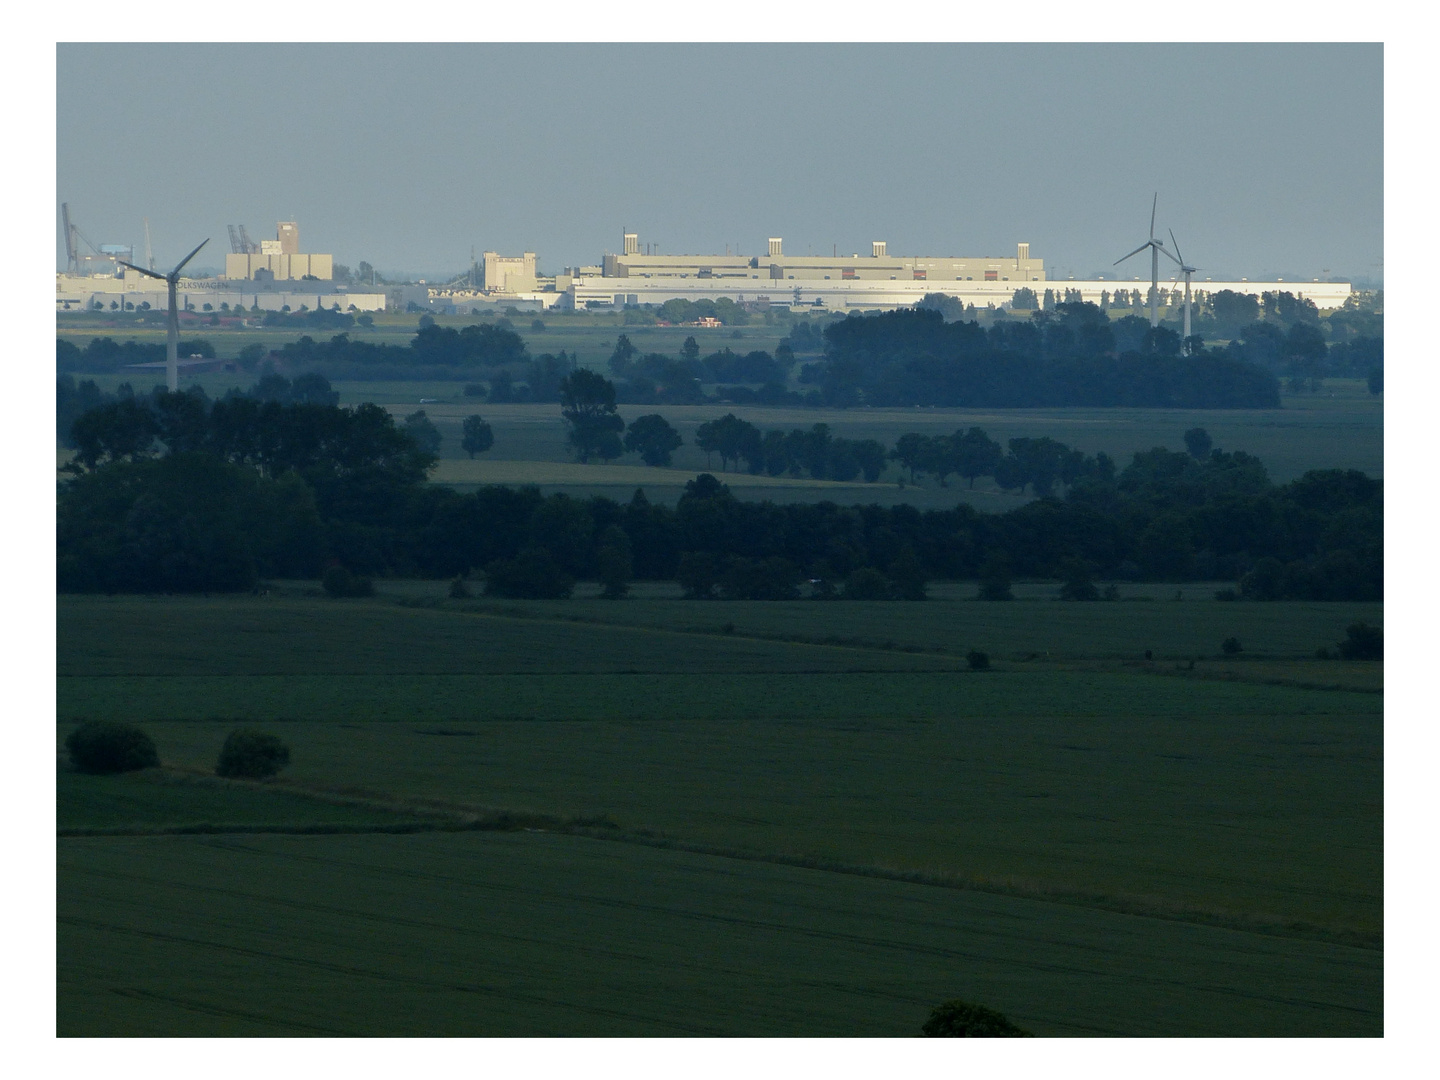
[660, 817]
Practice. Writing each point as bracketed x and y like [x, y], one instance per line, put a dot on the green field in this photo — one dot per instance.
[819, 835]
[534, 934]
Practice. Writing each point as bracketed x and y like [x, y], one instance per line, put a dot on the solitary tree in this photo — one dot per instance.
[620, 359]
[587, 402]
[476, 436]
[423, 430]
[964, 1019]
[652, 438]
[1198, 442]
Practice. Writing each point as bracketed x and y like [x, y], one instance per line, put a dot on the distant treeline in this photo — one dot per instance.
[1069, 354]
[914, 357]
[174, 494]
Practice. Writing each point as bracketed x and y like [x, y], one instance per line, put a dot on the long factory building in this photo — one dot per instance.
[859, 282]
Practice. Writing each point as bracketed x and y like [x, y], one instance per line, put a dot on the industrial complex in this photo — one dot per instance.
[276, 274]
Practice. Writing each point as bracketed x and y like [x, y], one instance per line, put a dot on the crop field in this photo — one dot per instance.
[819, 835]
[536, 934]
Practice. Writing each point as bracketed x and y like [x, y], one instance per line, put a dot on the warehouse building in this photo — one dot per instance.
[856, 282]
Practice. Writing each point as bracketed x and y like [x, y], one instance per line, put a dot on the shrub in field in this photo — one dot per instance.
[1078, 584]
[995, 587]
[253, 754]
[977, 660]
[101, 747]
[340, 582]
[458, 589]
[1362, 642]
[1230, 646]
[964, 1019]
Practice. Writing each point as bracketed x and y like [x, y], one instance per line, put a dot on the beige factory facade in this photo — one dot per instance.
[280, 259]
[861, 282]
[775, 265]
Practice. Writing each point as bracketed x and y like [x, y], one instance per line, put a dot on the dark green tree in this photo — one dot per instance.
[587, 402]
[620, 359]
[1076, 581]
[652, 437]
[251, 754]
[99, 746]
[995, 581]
[1024, 300]
[118, 430]
[1198, 442]
[964, 1019]
[910, 451]
[1363, 642]
[976, 454]
[476, 436]
[423, 431]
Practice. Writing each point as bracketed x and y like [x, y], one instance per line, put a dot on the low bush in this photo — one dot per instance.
[339, 582]
[251, 754]
[1230, 646]
[964, 1019]
[1363, 642]
[101, 747]
[978, 661]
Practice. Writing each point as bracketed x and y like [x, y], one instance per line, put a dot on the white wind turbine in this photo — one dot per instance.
[1187, 271]
[172, 344]
[1155, 246]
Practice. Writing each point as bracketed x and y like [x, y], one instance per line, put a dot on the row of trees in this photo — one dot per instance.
[914, 357]
[194, 497]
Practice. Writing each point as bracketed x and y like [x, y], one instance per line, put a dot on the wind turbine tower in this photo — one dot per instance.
[1155, 246]
[1187, 270]
[172, 343]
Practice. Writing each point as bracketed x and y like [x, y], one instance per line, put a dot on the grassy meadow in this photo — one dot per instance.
[786, 818]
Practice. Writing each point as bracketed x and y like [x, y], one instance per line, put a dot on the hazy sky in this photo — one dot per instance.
[1267, 158]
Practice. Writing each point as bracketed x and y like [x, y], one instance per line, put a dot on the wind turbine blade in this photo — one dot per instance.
[147, 273]
[187, 258]
[1161, 248]
[1175, 242]
[1153, 204]
[1137, 251]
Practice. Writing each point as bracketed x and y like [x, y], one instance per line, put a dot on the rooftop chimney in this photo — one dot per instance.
[877, 249]
[631, 244]
[1022, 252]
[774, 247]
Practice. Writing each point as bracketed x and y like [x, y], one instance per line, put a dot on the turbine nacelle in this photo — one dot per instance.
[172, 344]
